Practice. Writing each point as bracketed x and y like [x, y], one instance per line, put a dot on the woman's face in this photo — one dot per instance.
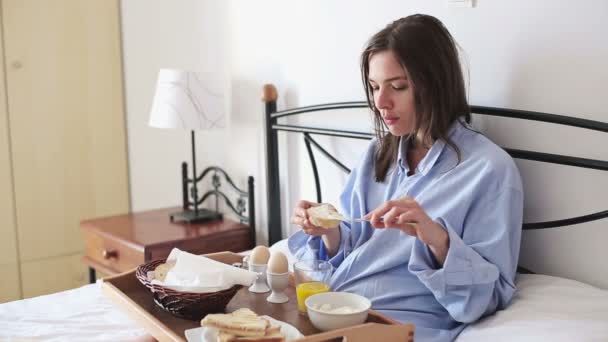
[393, 92]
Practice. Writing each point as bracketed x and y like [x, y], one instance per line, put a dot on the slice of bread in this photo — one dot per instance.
[242, 322]
[272, 329]
[244, 312]
[225, 337]
[324, 216]
[243, 325]
[160, 272]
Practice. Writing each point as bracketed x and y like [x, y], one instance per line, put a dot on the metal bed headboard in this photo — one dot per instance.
[243, 205]
[272, 127]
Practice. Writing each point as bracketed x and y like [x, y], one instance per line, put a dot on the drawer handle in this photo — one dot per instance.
[108, 254]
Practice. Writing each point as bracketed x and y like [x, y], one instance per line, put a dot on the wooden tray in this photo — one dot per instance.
[136, 300]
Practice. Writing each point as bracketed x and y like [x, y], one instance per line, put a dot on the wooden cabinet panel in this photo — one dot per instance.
[9, 286]
[8, 242]
[52, 275]
[67, 123]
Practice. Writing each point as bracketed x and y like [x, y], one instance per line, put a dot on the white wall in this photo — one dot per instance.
[166, 34]
[544, 55]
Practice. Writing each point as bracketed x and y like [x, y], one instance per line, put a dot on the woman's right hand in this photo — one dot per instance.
[300, 218]
[330, 237]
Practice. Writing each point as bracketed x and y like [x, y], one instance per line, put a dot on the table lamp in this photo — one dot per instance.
[191, 101]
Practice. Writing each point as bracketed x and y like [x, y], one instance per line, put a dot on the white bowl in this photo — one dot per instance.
[324, 320]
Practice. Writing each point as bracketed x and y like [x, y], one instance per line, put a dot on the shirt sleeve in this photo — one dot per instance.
[477, 277]
[352, 204]
[302, 245]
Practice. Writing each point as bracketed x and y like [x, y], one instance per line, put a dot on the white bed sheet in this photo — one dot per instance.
[544, 308]
[81, 314]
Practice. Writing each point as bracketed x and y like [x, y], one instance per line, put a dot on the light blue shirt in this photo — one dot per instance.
[479, 202]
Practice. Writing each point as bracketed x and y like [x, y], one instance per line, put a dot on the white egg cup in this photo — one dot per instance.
[259, 286]
[278, 283]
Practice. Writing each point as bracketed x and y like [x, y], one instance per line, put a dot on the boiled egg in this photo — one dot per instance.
[277, 263]
[260, 255]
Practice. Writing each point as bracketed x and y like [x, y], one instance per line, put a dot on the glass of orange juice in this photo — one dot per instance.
[311, 277]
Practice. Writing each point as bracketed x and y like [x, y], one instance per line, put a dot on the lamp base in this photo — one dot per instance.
[189, 216]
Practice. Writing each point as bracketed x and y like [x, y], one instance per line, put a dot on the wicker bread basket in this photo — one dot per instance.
[189, 305]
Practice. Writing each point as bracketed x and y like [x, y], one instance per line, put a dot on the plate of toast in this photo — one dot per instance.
[242, 325]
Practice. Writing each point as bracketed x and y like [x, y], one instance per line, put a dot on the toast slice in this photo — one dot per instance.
[324, 216]
[272, 329]
[242, 322]
[243, 325]
[225, 337]
[160, 272]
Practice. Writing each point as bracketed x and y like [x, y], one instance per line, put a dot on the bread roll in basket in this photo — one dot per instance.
[188, 305]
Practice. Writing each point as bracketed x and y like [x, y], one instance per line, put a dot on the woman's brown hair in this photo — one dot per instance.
[424, 47]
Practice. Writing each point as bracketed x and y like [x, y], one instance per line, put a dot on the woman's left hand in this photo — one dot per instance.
[408, 216]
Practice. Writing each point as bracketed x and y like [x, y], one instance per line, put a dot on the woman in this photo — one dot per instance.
[444, 203]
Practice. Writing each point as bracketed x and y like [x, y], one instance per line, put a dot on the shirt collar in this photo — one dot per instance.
[432, 156]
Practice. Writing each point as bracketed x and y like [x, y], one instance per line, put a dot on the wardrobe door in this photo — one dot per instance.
[65, 103]
[9, 264]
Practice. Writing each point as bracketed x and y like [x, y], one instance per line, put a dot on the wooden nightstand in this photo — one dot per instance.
[120, 243]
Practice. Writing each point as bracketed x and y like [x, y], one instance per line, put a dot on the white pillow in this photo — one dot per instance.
[546, 308]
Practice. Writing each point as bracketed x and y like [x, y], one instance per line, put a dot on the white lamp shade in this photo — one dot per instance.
[188, 100]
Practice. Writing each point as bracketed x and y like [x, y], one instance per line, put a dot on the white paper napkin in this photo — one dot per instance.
[199, 274]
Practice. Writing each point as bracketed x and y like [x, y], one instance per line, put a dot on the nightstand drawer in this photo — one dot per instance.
[120, 243]
[113, 255]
